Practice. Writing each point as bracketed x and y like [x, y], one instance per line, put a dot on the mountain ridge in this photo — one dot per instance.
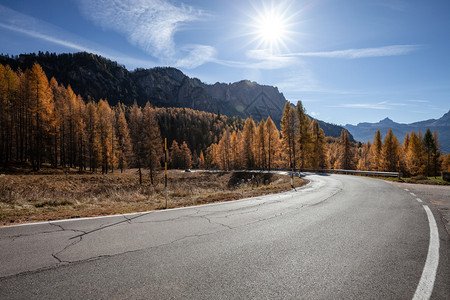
[95, 77]
[365, 131]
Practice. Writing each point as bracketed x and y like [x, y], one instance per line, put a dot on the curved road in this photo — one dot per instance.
[340, 237]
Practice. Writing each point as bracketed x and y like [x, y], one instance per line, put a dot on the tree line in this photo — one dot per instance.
[301, 144]
[45, 123]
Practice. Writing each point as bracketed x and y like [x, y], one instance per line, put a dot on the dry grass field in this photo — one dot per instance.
[58, 195]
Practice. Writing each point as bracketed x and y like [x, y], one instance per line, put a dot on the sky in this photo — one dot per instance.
[348, 61]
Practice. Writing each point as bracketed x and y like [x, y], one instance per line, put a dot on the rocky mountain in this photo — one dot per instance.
[95, 77]
[365, 131]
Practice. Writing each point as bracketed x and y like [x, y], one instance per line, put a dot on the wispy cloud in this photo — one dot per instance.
[392, 50]
[51, 39]
[364, 105]
[151, 26]
[197, 56]
[14, 21]
[383, 105]
[266, 59]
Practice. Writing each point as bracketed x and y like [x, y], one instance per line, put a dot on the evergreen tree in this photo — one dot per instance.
[137, 138]
[123, 139]
[186, 156]
[153, 144]
[41, 113]
[303, 135]
[415, 155]
[93, 140]
[345, 159]
[105, 127]
[201, 160]
[436, 154]
[288, 129]
[390, 152]
[364, 160]
[429, 145]
[272, 142]
[247, 147]
[376, 151]
[319, 147]
[260, 145]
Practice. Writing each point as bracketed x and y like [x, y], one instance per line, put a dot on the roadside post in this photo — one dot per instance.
[398, 168]
[165, 167]
[292, 178]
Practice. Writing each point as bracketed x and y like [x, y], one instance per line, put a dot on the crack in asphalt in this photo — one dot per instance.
[195, 214]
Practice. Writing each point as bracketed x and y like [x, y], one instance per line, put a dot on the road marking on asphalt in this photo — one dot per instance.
[412, 194]
[418, 199]
[406, 190]
[426, 283]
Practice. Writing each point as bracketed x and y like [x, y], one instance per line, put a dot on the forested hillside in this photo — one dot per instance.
[94, 77]
[44, 123]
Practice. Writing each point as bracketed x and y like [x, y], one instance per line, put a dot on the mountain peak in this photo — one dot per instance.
[386, 121]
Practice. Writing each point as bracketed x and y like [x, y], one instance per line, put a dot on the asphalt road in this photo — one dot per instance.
[340, 237]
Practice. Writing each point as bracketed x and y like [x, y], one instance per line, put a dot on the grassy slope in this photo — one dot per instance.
[38, 197]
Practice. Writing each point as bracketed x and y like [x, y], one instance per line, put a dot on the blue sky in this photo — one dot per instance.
[349, 61]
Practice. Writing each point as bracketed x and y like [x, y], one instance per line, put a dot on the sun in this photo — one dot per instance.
[271, 29]
[271, 26]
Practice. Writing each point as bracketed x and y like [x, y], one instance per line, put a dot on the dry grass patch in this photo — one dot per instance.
[40, 197]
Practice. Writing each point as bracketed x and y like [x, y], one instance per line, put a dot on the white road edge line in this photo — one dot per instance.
[412, 194]
[406, 190]
[426, 283]
[418, 199]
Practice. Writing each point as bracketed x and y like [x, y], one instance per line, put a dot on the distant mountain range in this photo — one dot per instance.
[364, 132]
[95, 77]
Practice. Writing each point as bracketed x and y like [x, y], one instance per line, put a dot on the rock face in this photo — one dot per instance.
[365, 131]
[94, 78]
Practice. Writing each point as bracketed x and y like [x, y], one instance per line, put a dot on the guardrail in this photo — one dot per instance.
[338, 171]
[354, 172]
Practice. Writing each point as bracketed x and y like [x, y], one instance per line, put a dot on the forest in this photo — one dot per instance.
[43, 123]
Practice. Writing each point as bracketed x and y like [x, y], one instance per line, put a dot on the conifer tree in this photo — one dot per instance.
[93, 141]
[436, 154]
[105, 127]
[446, 163]
[319, 147]
[201, 160]
[273, 142]
[415, 155]
[234, 155]
[175, 155]
[376, 151]
[153, 143]
[288, 130]
[260, 147]
[223, 151]
[9, 113]
[123, 139]
[248, 156]
[136, 135]
[186, 156]
[364, 160]
[390, 152]
[429, 145]
[345, 159]
[41, 112]
[303, 134]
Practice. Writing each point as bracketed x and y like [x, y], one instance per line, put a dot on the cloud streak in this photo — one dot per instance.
[393, 50]
[150, 25]
[383, 105]
[17, 22]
